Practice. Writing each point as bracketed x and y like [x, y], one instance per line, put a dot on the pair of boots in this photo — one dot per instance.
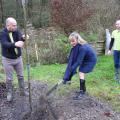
[82, 91]
[117, 75]
[10, 89]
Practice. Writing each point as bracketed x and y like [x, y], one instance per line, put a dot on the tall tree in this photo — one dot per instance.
[30, 7]
[18, 5]
[1, 12]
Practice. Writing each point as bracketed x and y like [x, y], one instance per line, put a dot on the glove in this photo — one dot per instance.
[27, 37]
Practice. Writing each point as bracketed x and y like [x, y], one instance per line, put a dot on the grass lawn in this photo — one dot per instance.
[100, 83]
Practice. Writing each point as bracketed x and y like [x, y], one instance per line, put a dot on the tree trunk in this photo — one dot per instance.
[30, 7]
[1, 13]
[17, 8]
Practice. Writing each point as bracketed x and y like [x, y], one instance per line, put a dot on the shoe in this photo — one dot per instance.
[9, 97]
[24, 93]
[116, 78]
[77, 92]
[118, 81]
[80, 96]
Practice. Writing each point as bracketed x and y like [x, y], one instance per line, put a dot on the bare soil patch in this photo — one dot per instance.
[54, 107]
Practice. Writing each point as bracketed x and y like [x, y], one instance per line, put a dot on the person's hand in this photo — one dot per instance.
[19, 44]
[109, 52]
[27, 37]
[66, 82]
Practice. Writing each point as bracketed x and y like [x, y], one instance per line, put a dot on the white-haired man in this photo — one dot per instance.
[11, 44]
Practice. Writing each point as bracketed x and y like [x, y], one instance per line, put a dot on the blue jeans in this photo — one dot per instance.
[116, 55]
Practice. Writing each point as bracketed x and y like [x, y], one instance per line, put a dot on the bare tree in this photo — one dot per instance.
[106, 13]
[70, 14]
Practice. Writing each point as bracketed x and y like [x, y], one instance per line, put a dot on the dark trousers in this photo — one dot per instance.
[116, 55]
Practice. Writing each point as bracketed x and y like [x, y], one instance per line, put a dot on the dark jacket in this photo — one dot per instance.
[8, 48]
[83, 56]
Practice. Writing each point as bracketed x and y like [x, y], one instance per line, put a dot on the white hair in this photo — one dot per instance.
[10, 20]
[117, 22]
[77, 37]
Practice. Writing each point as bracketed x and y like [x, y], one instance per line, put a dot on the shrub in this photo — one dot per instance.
[89, 37]
[56, 52]
[42, 20]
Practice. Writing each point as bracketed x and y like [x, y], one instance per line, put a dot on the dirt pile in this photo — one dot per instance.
[2, 90]
[55, 107]
[43, 111]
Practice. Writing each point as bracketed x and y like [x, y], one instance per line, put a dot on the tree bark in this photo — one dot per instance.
[17, 8]
[2, 12]
[30, 7]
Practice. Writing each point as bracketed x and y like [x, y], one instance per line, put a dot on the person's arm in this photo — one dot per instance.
[68, 74]
[5, 42]
[110, 46]
[20, 37]
[111, 43]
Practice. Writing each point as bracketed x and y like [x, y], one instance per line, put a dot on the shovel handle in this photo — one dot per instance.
[53, 88]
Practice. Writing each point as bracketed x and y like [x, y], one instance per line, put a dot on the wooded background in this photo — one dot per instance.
[51, 21]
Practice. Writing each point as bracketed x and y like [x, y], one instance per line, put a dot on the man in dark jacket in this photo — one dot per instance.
[11, 44]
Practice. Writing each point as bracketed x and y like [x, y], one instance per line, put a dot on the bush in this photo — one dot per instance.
[42, 20]
[56, 52]
[89, 37]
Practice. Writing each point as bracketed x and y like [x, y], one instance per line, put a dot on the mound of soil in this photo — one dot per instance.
[2, 90]
[54, 107]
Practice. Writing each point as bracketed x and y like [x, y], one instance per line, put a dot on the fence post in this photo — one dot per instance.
[107, 42]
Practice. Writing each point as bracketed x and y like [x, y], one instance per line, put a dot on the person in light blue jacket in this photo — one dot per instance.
[82, 55]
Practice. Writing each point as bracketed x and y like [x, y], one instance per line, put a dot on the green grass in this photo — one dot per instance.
[100, 83]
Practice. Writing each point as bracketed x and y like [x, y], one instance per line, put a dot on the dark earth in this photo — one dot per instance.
[53, 107]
